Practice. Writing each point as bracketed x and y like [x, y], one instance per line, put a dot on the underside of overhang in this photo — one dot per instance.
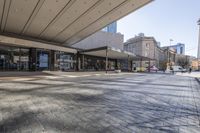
[109, 52]
[62, 21]
[11, 41]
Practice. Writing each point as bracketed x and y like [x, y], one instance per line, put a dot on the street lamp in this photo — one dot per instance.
[198, 52]
[168, 50]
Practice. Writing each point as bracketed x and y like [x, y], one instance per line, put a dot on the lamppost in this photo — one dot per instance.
[198, 52]
[169, 58]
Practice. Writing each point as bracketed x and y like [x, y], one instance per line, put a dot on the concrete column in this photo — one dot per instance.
[77, 62]
[141, 64]
[128, 63]
[107, 60]
[32, 59]
[116, 64]
[19, 67]
[131, 65]
[149, 65]
[52, 60]
[83, 62]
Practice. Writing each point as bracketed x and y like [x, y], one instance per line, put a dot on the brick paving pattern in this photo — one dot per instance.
[137, 103]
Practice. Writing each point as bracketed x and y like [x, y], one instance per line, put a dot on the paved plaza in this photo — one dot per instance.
[113, 103]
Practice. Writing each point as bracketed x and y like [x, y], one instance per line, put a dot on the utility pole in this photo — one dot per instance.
[198, 52]
[107, 60]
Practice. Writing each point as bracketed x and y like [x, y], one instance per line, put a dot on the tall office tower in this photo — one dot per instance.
[112, 28]
[198, 56]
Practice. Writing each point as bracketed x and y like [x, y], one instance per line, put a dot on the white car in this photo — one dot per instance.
[178, 69]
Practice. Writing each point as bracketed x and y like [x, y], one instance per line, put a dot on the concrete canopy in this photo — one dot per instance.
[62, 21]
[11, 41]
[112, 53]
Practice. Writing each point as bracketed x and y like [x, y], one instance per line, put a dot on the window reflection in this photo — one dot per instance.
[64, 61]
[13, 58]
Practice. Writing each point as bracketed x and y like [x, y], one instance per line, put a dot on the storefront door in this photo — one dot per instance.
[42, 60]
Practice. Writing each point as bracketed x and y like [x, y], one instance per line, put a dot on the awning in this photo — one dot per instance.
[5, 40]
[142, 58]
[112, 53]
[62, 21]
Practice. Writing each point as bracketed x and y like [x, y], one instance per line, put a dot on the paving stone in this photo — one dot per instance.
[139, 103]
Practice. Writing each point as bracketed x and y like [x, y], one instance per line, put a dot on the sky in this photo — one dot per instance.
[165, 20]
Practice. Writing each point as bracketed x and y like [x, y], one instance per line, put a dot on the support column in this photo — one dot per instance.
[107, 60]
[52, 60]
[32, 59]
[149, 65]
[77, 62]
[128, 64]
[83, 62]
[141, 64]
[116, 64]
[131, 65]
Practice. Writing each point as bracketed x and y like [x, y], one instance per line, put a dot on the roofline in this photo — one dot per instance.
[94, 49]
[65, 44]
[13, 41]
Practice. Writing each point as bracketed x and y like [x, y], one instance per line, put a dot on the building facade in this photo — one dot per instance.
[153, 55]
[38, 56]
[145, 47]
[112, 28]
[38, 35]
[179, 48]
[19, 58]
[101, 39]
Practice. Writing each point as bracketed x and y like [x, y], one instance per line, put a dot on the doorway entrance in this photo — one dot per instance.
[43, 60]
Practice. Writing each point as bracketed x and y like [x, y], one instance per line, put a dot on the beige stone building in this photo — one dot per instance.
[146, 47]
[190, 61]
[195, 64]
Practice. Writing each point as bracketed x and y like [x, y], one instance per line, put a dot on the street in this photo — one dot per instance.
[129, 103]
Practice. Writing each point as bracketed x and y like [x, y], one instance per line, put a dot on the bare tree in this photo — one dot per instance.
[163, 65]
[183, 62]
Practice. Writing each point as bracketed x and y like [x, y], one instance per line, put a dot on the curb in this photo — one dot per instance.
[198, 80]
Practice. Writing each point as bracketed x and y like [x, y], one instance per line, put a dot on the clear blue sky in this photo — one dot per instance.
[165, 19]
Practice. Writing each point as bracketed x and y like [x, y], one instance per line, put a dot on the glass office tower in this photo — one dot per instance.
[111, 28]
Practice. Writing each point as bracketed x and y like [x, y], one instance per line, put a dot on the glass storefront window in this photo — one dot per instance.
[92, 63]
[14, 58]
[64, 61]
[24, 59]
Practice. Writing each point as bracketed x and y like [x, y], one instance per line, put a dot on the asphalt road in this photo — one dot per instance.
[132, 103]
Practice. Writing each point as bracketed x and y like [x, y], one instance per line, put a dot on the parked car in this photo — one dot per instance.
[178, 69]
[153, 69]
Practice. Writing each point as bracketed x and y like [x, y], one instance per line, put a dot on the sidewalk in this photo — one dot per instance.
[192, 74]
[195, 75]
[15, 76]
[22, 76]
